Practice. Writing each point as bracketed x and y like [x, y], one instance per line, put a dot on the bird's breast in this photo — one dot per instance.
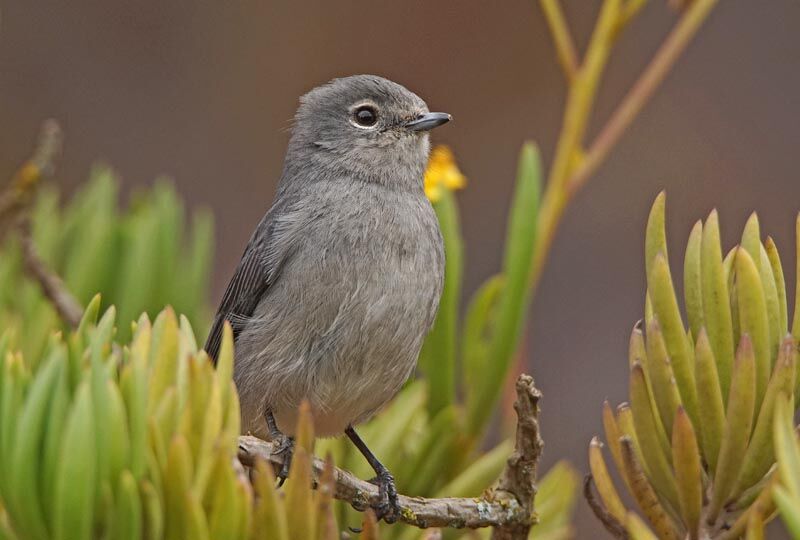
[344, 322]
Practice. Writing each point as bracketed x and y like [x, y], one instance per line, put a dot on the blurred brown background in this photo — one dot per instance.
[204, 91]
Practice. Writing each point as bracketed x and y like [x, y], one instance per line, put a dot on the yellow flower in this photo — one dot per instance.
[442, 174]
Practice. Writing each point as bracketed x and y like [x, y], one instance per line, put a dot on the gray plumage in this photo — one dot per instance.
[341, 280]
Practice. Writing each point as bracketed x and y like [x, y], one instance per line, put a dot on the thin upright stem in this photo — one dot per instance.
[572, 167]
[642, 90]
[562, 39]
[580, 101]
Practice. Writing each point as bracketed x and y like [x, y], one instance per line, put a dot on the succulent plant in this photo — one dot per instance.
[786, 491]
[694, 444]
[140, 259]
[98, 440]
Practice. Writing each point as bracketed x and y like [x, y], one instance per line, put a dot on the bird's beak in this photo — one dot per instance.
[428, 121]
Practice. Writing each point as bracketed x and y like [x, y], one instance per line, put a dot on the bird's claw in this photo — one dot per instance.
[387, 508]
[285, 447]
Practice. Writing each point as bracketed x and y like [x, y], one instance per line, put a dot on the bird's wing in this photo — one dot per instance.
[268, 249]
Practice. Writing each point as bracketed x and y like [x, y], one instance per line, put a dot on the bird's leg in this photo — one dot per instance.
[284, 445]
[387, 509]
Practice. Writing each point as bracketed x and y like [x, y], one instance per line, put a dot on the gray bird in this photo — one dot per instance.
[340, 282]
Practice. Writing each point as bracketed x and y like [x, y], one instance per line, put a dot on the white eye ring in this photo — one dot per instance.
[364, 116]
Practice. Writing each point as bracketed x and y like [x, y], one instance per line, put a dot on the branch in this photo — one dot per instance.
[629, 10]
[52, 286]
[417, 511]
[19, 194]
[519, 475]
[508, 506]
[14, 203]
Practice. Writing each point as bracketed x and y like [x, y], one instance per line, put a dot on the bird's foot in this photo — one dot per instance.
[387, 508]
[284, 446]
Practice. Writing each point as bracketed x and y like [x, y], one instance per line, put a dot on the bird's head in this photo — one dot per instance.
[365, 126]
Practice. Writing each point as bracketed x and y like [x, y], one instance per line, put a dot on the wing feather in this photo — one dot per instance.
[251, 280]
[241, 297]
[271, 245]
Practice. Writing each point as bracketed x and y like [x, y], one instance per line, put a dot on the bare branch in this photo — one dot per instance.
[519, 476]
[417, 511]
[19, 194]
[507, 506]
[52, 286]
[14, 203]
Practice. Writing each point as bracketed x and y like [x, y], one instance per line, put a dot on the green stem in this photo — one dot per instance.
[565, 182]
[642, 90]
[562, 39]
[576, 117]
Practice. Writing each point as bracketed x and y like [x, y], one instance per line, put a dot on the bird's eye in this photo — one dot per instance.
[366, 116]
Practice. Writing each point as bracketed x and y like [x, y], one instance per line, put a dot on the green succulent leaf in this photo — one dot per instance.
[693, 279]
[753, 319]
[760, 452]
[662, 380]
[438, 356]
[514, 297]
[688, 472]
[780, 283]
[667, 313]
[716, 306]
[712, 413]
[652, 437]
[655, 235]
[738, 423]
